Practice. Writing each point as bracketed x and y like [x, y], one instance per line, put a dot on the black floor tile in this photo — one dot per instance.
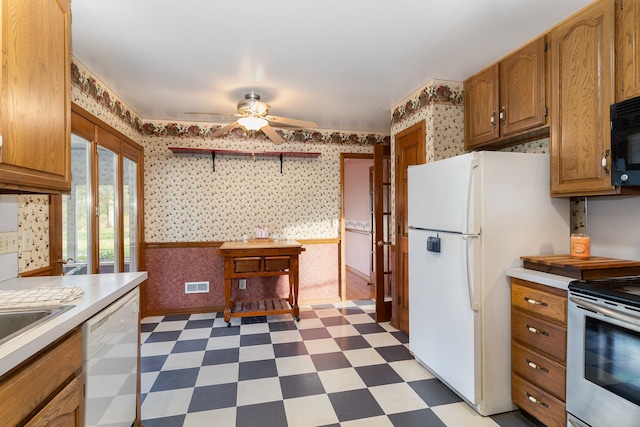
[326, 361]
[514, 419]
[200, 323]
[394, 353]
[175, 379]
[369, 328]
[282, 326]
[176, 421]
[225, 331]
[255, 339]
[213, 397]
[175, 317]
[350, 310]
[378, 375]
[257, 369]
[363, 302]
[270, 414]
[163, 336]
[334, 321]
[250, 320]
[219, 357]
[355, 404]
[152, 363]
[301, 385]
[401, 336]
[314, 334]
[352, 343]
[296, 348]
[420, 418]
[322, 306]
[434, 392]
[148, 327]
[190, 345]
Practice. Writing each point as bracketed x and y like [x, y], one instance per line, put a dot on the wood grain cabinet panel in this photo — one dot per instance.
[628, 49]
[539, 350]
[582, 89]
[506, 100]
[35, 101]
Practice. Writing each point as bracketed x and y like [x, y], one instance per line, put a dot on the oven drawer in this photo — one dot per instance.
[538, 301]
[539, 334]
[539, 369]
[537, 402]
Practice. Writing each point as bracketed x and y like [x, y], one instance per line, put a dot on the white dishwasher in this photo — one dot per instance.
[110, 360]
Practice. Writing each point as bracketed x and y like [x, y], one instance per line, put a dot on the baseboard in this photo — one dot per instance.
[360, 274]
[181, 311]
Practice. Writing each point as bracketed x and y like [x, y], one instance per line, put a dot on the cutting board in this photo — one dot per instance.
[582, 268]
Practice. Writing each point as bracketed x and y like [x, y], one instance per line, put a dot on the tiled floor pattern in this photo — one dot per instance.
[336, 367]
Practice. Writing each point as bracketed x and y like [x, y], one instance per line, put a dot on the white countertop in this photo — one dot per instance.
[100, 290]
[553, 280]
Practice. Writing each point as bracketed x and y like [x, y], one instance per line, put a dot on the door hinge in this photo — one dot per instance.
[546, 46]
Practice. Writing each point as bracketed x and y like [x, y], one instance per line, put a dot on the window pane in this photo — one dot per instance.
[130, 214]
[107, 210]
[76, 210]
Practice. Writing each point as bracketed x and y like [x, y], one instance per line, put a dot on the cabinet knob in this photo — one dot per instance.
[604, 162]
[503, 114]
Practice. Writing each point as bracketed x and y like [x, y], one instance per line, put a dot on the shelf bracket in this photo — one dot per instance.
[213, 160]
[281, 163]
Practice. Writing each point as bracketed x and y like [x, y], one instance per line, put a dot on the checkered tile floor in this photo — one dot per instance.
[336, 367]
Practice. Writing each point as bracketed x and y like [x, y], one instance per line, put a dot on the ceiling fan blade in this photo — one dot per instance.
[208, 113]
[224, 129]
[287, 122]
[272, 134]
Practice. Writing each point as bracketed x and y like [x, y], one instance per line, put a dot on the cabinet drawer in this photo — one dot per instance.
[538, 301]
[539, 334]
[543, 406]
[247, 265]
[276, 263]
[540, 370]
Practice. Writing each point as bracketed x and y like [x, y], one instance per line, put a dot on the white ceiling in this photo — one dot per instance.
[341, 63]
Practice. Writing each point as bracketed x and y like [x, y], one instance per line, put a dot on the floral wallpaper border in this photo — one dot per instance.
[88, 84]
[436, 92]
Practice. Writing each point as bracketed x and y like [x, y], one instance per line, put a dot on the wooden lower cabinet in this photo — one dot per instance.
[46, 390]
[539, 351]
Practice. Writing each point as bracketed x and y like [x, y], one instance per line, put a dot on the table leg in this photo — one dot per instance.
[293, 278]
[227, 299]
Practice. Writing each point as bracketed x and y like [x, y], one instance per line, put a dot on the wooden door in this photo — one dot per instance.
[628, 44]
[582, 89]
[522, 89]
[481, 108]
[382, 231]
[409, 150]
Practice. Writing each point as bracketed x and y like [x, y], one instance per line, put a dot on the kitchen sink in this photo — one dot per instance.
[15, 322]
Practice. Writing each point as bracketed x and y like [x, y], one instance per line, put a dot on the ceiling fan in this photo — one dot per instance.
[253, 114]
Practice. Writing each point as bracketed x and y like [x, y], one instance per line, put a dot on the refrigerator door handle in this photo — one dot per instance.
[465, 261]
[467, 204]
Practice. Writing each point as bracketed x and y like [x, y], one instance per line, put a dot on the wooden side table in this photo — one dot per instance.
[260, 258]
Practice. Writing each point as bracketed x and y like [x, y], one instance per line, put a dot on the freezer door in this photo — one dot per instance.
[445, 329]
[443, 195]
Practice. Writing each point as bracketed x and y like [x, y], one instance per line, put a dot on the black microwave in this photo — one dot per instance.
[625, 142]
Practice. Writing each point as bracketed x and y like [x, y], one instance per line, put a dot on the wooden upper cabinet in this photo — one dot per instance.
[35, 105]
[628, 48]
[582, 90]
[506, 100]
[481, 108]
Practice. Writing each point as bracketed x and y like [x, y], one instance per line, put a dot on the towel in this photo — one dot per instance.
[39, 297]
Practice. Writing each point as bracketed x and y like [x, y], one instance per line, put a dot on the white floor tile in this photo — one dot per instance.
[157, 348]
[256, 352]
[192, 359]
[396, 398]
[255, 328]
[294, 365]
[382, 339]
[195, 334]
[310, 323]
[410, 370]
[146, 381]
[364, 357]
[218, 417]
[381, 421]
[259, 391]
[310, 411]
[462, 415]
[342, 331]
[219, 343]
[174, 325]
[327, 345]
[217, 374]
[345, 379]
[280, 337]
[166, 403]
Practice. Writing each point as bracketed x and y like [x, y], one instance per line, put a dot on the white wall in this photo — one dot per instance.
[357, 214]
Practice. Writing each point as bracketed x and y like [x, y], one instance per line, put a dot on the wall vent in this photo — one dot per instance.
[196, 287]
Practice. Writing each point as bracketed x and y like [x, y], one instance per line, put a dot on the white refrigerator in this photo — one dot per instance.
[470, 218]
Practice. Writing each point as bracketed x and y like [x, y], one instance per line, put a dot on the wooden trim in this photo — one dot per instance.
[318, 301]
[180, 311]
[96, 121]
[217, 244]
[358, 231]
[44, 271]
[358, 273]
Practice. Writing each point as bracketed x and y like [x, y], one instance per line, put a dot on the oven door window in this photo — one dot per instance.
[612, 358]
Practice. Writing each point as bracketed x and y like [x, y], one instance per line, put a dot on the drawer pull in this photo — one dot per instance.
[536, 401]
[536, 331]
[534, 366]
[534, 302]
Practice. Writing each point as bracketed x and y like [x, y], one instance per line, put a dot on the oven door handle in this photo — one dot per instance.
[609, 312]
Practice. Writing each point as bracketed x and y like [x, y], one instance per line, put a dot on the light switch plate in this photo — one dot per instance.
[8, 242]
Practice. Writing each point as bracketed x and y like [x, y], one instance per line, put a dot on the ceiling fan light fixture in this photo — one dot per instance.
[252, 123]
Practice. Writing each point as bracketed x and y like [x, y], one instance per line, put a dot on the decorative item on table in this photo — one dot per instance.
[261, 232]
[580, 245]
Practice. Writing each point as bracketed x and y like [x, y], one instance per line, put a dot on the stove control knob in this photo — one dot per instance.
[624, 177]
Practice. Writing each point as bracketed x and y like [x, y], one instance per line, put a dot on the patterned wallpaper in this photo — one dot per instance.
[33, 219]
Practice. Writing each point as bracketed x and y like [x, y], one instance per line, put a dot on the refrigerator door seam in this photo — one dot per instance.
[472, 303]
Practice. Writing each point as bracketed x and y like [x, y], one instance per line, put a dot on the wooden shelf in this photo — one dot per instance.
[214, 152]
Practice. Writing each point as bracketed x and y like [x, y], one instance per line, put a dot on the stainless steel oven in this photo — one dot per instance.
[603, 349]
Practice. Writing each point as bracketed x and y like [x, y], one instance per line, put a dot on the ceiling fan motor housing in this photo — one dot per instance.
[252, 106]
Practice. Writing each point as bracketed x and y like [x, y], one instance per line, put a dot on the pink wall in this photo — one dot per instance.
[170, 267]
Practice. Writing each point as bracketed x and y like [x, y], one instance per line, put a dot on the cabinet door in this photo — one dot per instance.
[522, 89]
[582, 89]
[481, 108]
[628, 43]
[35, 101]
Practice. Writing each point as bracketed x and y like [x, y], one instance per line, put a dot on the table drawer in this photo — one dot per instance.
[538, 301]
[539, 334]
[542, 405]
[539, 369]
[246, 264]
[276, 263]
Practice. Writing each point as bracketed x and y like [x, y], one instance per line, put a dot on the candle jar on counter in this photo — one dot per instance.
[580, 245]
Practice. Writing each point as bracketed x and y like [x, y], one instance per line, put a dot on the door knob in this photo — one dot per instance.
[381, 243]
